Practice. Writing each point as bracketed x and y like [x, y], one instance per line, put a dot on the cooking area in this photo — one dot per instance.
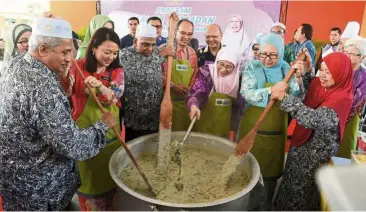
[180, 105]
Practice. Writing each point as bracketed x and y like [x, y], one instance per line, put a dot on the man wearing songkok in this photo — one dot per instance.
[143, 83]
[39, 141]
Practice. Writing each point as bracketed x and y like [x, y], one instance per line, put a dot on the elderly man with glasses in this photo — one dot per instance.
[280, 29]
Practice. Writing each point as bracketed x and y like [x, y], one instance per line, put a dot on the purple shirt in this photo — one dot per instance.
[201, 91]
[359, 92]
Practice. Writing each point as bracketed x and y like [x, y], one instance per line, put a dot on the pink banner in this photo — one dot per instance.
[257, 16]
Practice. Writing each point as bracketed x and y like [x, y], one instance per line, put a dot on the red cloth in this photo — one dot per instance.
[1, 204]
[338, 97]
[290, 132]
[77, 89]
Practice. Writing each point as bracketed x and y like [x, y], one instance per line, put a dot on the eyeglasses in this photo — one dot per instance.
[156, 26]
[277, 32]
[189, 34]
[351, 54]
[227, 67]
[24, 43]
[264, 55]
[255, 49]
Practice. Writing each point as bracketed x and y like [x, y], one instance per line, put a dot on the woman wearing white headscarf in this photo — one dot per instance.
[235, 36]
[16, 41]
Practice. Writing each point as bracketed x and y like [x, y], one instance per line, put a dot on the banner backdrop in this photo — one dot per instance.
[256, 16]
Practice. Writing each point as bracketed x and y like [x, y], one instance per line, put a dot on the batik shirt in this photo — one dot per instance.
[143, 89]
[39, 141]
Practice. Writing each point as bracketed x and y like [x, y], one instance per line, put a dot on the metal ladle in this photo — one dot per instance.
[178, 158]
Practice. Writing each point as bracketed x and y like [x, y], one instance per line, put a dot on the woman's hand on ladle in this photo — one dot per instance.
[307, 62]
[195, 112]
[299, 66]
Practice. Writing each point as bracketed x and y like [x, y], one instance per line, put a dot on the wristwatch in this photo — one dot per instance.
[171, 85]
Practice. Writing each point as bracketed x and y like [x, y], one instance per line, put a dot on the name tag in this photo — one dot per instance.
[106, 78]
[223, 102]
[181, 67]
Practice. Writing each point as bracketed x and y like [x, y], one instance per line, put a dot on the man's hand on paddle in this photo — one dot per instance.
[174, 16]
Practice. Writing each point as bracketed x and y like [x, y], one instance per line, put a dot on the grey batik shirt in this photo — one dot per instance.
[39, 141]
[143, 89]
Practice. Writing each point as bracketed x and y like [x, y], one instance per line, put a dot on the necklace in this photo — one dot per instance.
[101, 70]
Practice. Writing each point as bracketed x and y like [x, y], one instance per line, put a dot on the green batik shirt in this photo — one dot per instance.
[289, 55]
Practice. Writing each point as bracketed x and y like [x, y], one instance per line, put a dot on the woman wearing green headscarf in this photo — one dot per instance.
[96, 23]
[16, 41]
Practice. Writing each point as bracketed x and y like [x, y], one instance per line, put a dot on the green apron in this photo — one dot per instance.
[94, 172]
[270, 142]
[181, 75]
[216, 116]
[349, 141]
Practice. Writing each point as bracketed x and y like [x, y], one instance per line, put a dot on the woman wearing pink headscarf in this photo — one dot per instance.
[214, 98]
[235, 36]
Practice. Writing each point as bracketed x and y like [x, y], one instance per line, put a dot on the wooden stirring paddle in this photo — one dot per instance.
[116, 131]
[166, 108]
[246, 143]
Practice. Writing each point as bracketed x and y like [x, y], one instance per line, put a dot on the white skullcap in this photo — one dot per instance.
[280, 25]
[352, 29]
[52, 27]
[146, 31]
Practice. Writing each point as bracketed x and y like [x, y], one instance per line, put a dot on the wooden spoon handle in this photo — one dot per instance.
[246, 143]
[172, 25]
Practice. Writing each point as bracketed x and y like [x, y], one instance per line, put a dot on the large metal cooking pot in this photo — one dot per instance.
[131, 200]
